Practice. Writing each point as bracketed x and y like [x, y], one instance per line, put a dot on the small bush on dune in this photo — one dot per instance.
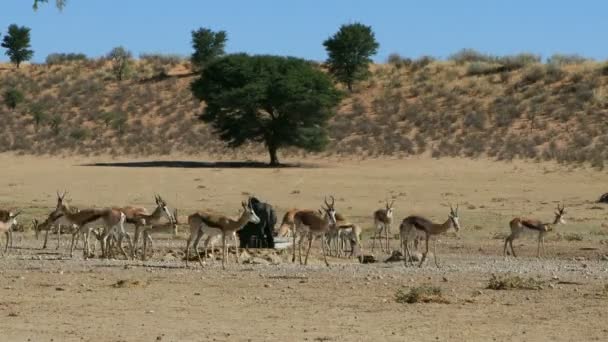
[470, 55]
[561, 59]
[61, 58]
[398, 62]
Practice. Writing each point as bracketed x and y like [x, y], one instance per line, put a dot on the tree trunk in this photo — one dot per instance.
[272, 151]
[350, 86]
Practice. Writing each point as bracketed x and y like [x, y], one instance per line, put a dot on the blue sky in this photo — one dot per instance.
[298, 28]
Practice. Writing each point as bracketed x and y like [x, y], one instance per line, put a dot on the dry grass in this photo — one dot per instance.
[509, 282]
[421, 294]
[516, 106]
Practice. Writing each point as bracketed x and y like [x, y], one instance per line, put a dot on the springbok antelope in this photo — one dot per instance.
[312, 224]
[411, 225]
[344, 232]
[54, 219]
[287, 224]
[519, 225]
[109, 218]
[139, 217]
[147, 231]
[7, 221]
[383, 219]
[212, 224]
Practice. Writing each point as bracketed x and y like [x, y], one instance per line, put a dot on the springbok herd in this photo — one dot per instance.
[107, 225]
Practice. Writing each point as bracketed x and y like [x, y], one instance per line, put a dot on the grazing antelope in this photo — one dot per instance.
[54, 219]
[7, 221]
[313, 224]
[344, 232]
[412, 225]
[287, 224]
[109, 218]
[519, 225]
[212, 224]
[383, 219]
[170, 227]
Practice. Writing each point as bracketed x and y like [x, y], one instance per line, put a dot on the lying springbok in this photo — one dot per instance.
[7, 221]
[519, 225]
[85, 219]
[212, 224]
[167, 227]
[54, 219]
[383, 219]
[412, 225]
[312, 224]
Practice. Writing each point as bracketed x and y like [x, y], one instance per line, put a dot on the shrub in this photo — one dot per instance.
[553, 73]
[160, 58]
[533, 74]
[518, 61]
[507, 282]
[421, 62]
[61, 58]
[397, 61]
[560, 59]
[482, 68]
[12, 98]
[475, 120]
[79, 133]
[421, 294]
[470, 55]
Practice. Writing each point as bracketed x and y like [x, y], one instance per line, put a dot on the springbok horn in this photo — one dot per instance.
[333, 200]
[16, 214]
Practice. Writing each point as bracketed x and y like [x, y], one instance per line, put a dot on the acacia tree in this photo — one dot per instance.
[17, 44]
[208, 45]
[280, 101]
[121, 62]
[349, 52]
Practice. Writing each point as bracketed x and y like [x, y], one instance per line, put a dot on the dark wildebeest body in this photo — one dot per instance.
[263, 230]
[603, 198]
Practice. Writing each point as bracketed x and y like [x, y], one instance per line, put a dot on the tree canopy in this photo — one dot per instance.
[17, 44]
[121, 62]
[349, 51]
[207, 46]
[59, 3]
[280, 101]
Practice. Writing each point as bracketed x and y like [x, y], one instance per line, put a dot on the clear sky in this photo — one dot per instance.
[298, 27]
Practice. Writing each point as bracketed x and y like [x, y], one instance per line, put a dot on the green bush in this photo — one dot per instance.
[508, 282]
[12, 98]
[61, 58]
[560, 59]
[421, 294]
[470, 55]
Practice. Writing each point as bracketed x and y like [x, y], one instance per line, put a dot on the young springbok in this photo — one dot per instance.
[343, 233]
[383, 219]
[519, 225]
[412, 225]
[167, 227]
[7, 221]
[212, 224]
[313, 224]
[109, 218]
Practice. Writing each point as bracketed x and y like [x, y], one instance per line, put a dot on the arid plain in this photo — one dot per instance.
[45, 295]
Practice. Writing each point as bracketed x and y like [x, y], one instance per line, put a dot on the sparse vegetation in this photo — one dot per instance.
[421, 294]
[121, 62]
[61, 58]
[510, 282]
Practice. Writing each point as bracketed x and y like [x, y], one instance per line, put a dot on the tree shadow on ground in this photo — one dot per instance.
[186, 164]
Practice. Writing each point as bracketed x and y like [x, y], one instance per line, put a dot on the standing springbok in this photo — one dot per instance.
[109, 218]
[147, 231]
[212, 224]
[342, 233]
[383, 219]
[313, 224]
[519, 225]
[139, 216]
[7, 221]
[412, 225]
